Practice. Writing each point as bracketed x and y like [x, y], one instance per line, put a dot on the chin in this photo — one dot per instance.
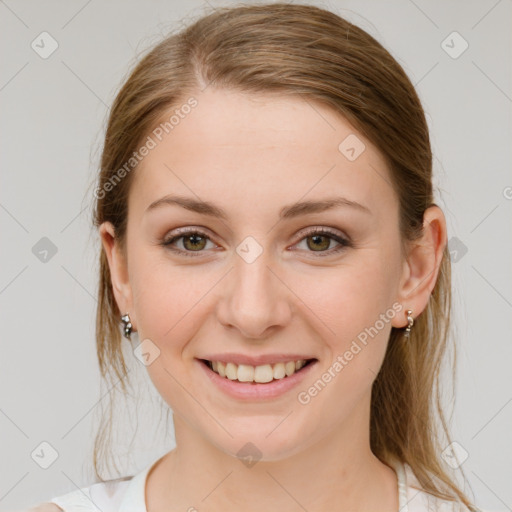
[263, 442]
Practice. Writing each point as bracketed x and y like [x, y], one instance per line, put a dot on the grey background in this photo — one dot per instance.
[53, 115]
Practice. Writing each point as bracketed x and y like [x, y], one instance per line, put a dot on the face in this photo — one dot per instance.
[266, 279]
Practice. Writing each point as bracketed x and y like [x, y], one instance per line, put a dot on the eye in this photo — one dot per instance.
[318, 240]
[194, 241]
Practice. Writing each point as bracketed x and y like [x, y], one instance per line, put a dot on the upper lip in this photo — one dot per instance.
[255, 360]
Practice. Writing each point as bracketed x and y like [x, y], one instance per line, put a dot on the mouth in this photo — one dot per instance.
[262, 374]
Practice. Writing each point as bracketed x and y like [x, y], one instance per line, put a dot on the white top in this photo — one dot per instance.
[128, 494]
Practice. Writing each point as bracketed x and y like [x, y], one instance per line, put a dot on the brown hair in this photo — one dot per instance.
[306, 51]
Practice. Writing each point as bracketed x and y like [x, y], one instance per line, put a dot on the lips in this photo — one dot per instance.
[256, 391]
[261, 374]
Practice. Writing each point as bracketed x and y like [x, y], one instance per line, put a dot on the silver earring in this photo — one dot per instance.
[127, 325]
[410, 323]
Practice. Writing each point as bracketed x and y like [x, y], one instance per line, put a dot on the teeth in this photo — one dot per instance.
[279, 371]
[231, 371]
[262, 374]
[290, 368]
[245, 373]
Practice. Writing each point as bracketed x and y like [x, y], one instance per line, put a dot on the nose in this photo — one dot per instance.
[254, 300]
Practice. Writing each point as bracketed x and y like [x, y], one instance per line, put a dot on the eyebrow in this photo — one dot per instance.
[287, 212]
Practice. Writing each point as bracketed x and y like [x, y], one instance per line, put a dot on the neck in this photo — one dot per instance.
[339, 472]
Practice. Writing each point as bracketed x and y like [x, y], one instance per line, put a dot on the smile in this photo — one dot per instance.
[258, 374]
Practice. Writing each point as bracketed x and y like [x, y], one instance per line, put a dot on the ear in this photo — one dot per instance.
[422, 264]
[118, 270]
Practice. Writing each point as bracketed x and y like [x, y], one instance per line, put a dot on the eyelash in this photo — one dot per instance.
[344, 243]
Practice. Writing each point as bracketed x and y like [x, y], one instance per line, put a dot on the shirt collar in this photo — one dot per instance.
[135, 498]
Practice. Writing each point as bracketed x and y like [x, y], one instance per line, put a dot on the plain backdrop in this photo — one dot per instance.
[53, 115]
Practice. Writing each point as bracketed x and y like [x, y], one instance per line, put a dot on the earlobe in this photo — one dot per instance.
[422, 266]
[117, 266]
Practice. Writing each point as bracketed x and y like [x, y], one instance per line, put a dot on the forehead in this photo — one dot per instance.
[268, 149]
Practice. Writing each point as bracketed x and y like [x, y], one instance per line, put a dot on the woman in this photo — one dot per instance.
[269, 232]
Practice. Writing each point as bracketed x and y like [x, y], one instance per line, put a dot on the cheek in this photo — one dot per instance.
[160, 293]
[347, 298]
[164, 296]
[169, 299]
[354, 305]
[356, 312]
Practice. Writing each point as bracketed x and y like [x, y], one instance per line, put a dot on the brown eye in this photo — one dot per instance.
[318, 242]
[194, 242]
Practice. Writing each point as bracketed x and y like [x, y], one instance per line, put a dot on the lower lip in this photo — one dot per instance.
[254, 390]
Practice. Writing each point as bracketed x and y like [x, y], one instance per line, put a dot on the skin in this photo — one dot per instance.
[252, 155]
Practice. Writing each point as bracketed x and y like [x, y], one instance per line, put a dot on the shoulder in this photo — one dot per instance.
[44, 507]
[424, 501]
[97, 497]
[419, 500]
[126, 494]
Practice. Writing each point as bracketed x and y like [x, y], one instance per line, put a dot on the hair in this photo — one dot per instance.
[311, 53]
